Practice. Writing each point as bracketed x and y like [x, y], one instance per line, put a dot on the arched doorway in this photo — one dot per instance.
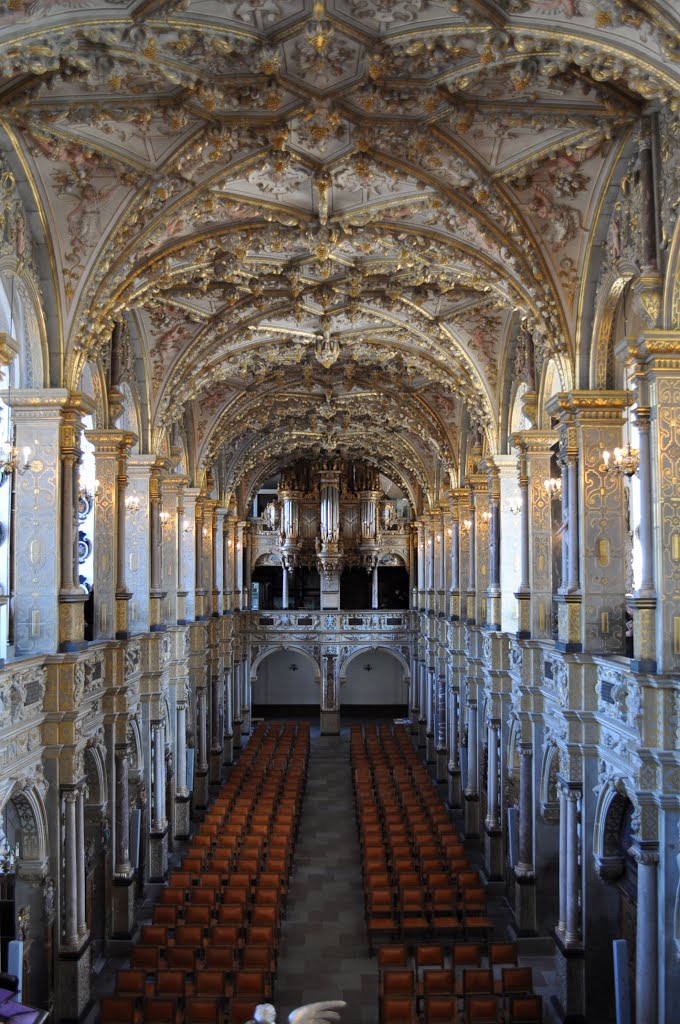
[375, 679]
[285, 677]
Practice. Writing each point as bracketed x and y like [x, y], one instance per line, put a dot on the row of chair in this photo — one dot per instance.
[209, 954]
[418, 883]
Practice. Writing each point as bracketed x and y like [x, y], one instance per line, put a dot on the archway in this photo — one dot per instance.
[285, 677]
[375, 678]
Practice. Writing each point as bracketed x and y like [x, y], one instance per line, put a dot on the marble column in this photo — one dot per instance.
[492, 821]
[422, 700]
[525, 866]
[187, 555]
[562, 880]
[218, 604]
[70, 930]
[138, 543]
[80, 841]
[472, 788]
[158, 832]
[228, 738]
[238, 713]
[71, 595]
[493, 594]
[454, 594]
[644, 600]
[472, 566]
[156, 593]
[441, 738]
[374, 587]
[420, 530]
[535, 593]
[284, 587]
[216, 729]
[123, 889]
[242, 600]
[454, 794]
[122, 868]
[646, 946]
[571, 935]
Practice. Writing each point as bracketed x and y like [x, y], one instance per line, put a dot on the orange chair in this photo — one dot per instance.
[165, 914]
[517, 981]
[162, 1011]
[441, 1009]
[428, 956]
[221, 958]
[481, 1010]
[231, 913]
[173, 895]
[198, 915]
[131, 982]
[252, 984]
[119, 1010]
[147, 957]
[212, 982]
[477, 981]
[397, 982]
[181, 958]
[441, 982]
[258, 958]
[171, 984]
[467, 954]
[261, 935]
[204, 1010]
[392, 956]
[224, 935]
[153, 935]
[189, 935]
[503, 954]
[241, 1009]
[204, 897]
[398, 1010]
[525, 1010]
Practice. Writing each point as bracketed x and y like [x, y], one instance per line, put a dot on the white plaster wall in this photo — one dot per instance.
[382, 685]
[276, 683]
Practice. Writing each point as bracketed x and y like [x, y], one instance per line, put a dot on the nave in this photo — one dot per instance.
[322, 950]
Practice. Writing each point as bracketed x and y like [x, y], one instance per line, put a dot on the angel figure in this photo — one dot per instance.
[312, 1013]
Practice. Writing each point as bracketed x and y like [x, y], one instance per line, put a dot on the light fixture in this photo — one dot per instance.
[293, 667]
[514, 506]
[132, 503]
[467, 525]
[7, 859]
[12, 458]
[164, 517]
[622, 461]
[553, 486]
[186, 526]
[368, 667]
[486, 516]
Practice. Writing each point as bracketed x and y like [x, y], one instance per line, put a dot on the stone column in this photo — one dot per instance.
[472, 788]
[430, 535]
[454, 794]
[374, 587]
[218, 604]
[71, 595]
[412, 566]
[37, 416]
[238, 719]
[202, 514]
[471, 594]
[158, 832]
[80, 840]
[492, 821]
[441, 738]
[201, 781]
[422, 697]
[242, 600]
[646, 947]
[123, 889]
[229, 566]
[187, 555]
[170, 533]
[493, 594]
[454, 602]
[284, 587]
[111, 450]
[70, 930]
[535, 595]
[228, 738]
[420, 530]
[591, 422]
[571, 935]
[525, 881]
[156, 593]
[138, 542]
[216, 728]
[645, 598]
[562, 921]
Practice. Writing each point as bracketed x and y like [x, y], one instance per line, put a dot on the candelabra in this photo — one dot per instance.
[13, 460]
[554, 487]
[622, 461]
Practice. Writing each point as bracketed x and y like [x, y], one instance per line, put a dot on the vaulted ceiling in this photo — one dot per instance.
[326, 222]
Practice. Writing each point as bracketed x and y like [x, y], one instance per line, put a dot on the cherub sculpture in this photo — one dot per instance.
[313, 1013]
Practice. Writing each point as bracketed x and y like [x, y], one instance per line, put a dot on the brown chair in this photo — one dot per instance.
[438, 982]
[231, 913]
[392, 956]
[258, 958]
[503, 954]
[441, 1009]
[221, 958]
[181, 958]
[204, 896]
[171, 984]
[477, 981]
[397, 982]
[526, 1010]
[252, 984]
[189, 935]
[131, 982]
[212, 982]
[467, 954]
[119, 1010]
[241, 1009]
[153, 935]
[198, 915]
[147, 957]
[517, 981]
[204, 1010]
[481, 1010]
[165, 914]
[261, 935]
[398, 1010]
[162, 1011]
[428, 956]
[173, 895]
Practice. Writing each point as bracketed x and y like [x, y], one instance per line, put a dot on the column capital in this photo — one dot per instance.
[9, 349]
[111, 442]
[530, 442]
[647, 856]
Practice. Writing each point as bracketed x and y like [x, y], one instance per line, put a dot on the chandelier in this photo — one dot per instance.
[553, 486]
[12, 458]
[622, 461]
[132, 503]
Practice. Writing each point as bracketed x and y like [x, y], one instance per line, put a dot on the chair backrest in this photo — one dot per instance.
[147, 957]
[181, 958]
[439, 982]
[526, 1010]
[224, 935]
[118, 1010]
[162, 1010]
[481, 1010]
[398, 982]
[250, 983]
[189, 935]
[153, 935]
[392, 956]
[210, 982]
[477, 979]
[441, 1009]
[502, 953]
[429, 956]
[197, 915]
[397, 1010]
[257, 958]
[170, 983]
[241, 1009]
[204, 1010]
[467, 954]
[517, 979]
[131, 982]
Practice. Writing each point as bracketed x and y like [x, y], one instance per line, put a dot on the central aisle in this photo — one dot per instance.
[323, 951]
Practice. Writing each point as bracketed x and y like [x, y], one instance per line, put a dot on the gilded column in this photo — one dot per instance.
[535, 594]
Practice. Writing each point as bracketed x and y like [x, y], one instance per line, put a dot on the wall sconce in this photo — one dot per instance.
[205, 531]
[164, 517]
[486, 516]
[449, 532]
[553, 486]
[186, 527]
[132, 503]
[467, 525]
[12, 459]
[514, 506]
[367, 668]
[293, 667]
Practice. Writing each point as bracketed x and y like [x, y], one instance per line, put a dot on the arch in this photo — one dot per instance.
[28, 805]
[601, 354]
[671, 299]
[93, 384]
[22, 311]
[615, 797]
[95, 774]
[273, 648]
[552, 382]
[370, 648]
[267, 558]
[550, 766]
